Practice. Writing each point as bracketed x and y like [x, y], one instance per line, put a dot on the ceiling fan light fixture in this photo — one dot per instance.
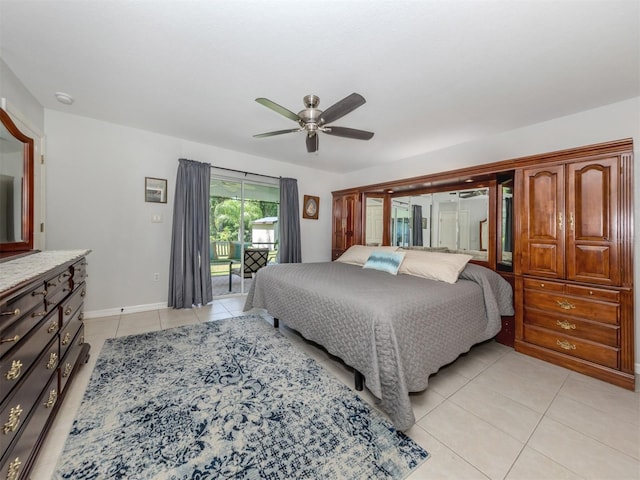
[313, 120]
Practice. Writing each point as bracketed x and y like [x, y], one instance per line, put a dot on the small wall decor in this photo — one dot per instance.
[155, 190]
[310, 207]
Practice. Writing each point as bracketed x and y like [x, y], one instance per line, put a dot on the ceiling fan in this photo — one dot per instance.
[313, 120]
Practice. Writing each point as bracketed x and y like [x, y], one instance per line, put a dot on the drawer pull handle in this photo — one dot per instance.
[560, 221]
[14, 469]
[53, 396]
[566, 325]
[542, 285]
[14, 420]
[53, 327]
[564, 304]
[13, 312]
[41, 292]
[38, 314]
[52, 284]
[81, 340]
[83, 293]
[67, 337]
[67, 370]
[53, 360]
[68, 311]
[15, 338]
[14, 371]
[566, 345]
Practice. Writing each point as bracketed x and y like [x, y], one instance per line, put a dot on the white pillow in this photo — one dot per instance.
[359, 254]
[434, 265]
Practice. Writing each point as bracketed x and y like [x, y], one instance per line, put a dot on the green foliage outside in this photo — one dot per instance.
[224, 222]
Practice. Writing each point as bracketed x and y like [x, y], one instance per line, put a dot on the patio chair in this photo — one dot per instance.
[254, 260]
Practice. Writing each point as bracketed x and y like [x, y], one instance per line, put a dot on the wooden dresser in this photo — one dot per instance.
[574, 297]
[41, 348]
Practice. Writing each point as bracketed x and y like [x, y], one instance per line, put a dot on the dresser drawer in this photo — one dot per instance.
[584, 349]
[57, 288]
[594, 293]
[70, 359]
[534, 284]
[14, 333]
[604, 333]
[16, 407]
[69, 331]
[79, 270]
[15, 364]
[574, 306]
[15, 459]
[18, 307]
[71, 305]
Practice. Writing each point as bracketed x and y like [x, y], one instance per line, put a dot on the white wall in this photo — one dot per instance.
[611, 122]
[95, 200]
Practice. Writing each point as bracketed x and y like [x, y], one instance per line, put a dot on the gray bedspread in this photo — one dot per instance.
[395, 330]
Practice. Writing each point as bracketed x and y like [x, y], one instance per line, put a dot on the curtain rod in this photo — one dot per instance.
[245, 173]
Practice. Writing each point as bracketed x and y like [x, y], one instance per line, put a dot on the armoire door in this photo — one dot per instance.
[592, 246]
[543, 226]
[345, 211]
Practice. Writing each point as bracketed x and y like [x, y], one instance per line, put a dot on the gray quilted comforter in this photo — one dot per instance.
[395, 330]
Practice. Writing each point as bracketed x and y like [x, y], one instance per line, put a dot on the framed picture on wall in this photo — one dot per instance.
[155, 190]
[310, 207]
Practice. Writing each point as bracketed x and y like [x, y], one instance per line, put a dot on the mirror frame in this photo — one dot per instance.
[26, 243]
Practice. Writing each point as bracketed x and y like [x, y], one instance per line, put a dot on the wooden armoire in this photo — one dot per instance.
[572, 268]
[574, 277]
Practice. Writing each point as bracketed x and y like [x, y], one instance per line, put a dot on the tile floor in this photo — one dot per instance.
[492, 414]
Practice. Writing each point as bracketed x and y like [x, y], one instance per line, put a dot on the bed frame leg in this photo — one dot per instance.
[276, 322]
[359, 380]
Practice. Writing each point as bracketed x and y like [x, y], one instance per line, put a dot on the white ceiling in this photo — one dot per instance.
[434, 73]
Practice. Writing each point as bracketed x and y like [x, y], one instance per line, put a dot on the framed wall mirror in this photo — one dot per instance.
[16, 188]
[455, 221]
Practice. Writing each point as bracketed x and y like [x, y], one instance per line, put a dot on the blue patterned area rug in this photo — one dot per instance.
[233, 399]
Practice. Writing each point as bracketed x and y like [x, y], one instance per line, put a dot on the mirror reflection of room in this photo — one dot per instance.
[11, 173]
[455, 221]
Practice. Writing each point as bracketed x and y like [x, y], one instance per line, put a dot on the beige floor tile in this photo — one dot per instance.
[447, 382]
[601, 396]
[106, 326]
[170, 318]
[137, 323]
[425, 401]
[623, 435]
[502, 412]
[443, 463]
[484, 446]
[581, 454]
[524, 379]
[532, 465]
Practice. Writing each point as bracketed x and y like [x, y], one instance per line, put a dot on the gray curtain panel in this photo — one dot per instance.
[417, 226]
[189, 270]
[290, 250]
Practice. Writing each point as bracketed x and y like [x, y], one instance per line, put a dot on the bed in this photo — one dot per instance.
[396, 330]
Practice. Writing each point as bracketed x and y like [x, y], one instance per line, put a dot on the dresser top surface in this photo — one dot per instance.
[23, 269]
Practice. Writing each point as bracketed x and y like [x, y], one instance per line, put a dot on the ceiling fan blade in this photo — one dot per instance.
[312, 143]
[277, 132]
[278, 108]
[349, 133]
[340, 109]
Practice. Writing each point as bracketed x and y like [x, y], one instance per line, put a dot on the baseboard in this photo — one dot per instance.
[112, 312]
[637, 368]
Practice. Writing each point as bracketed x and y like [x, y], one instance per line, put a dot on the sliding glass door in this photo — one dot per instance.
[243, 218]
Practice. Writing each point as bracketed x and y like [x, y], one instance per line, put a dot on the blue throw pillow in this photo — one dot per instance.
[385, 261]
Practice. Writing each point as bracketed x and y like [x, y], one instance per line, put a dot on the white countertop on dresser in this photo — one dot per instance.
[14, 272]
